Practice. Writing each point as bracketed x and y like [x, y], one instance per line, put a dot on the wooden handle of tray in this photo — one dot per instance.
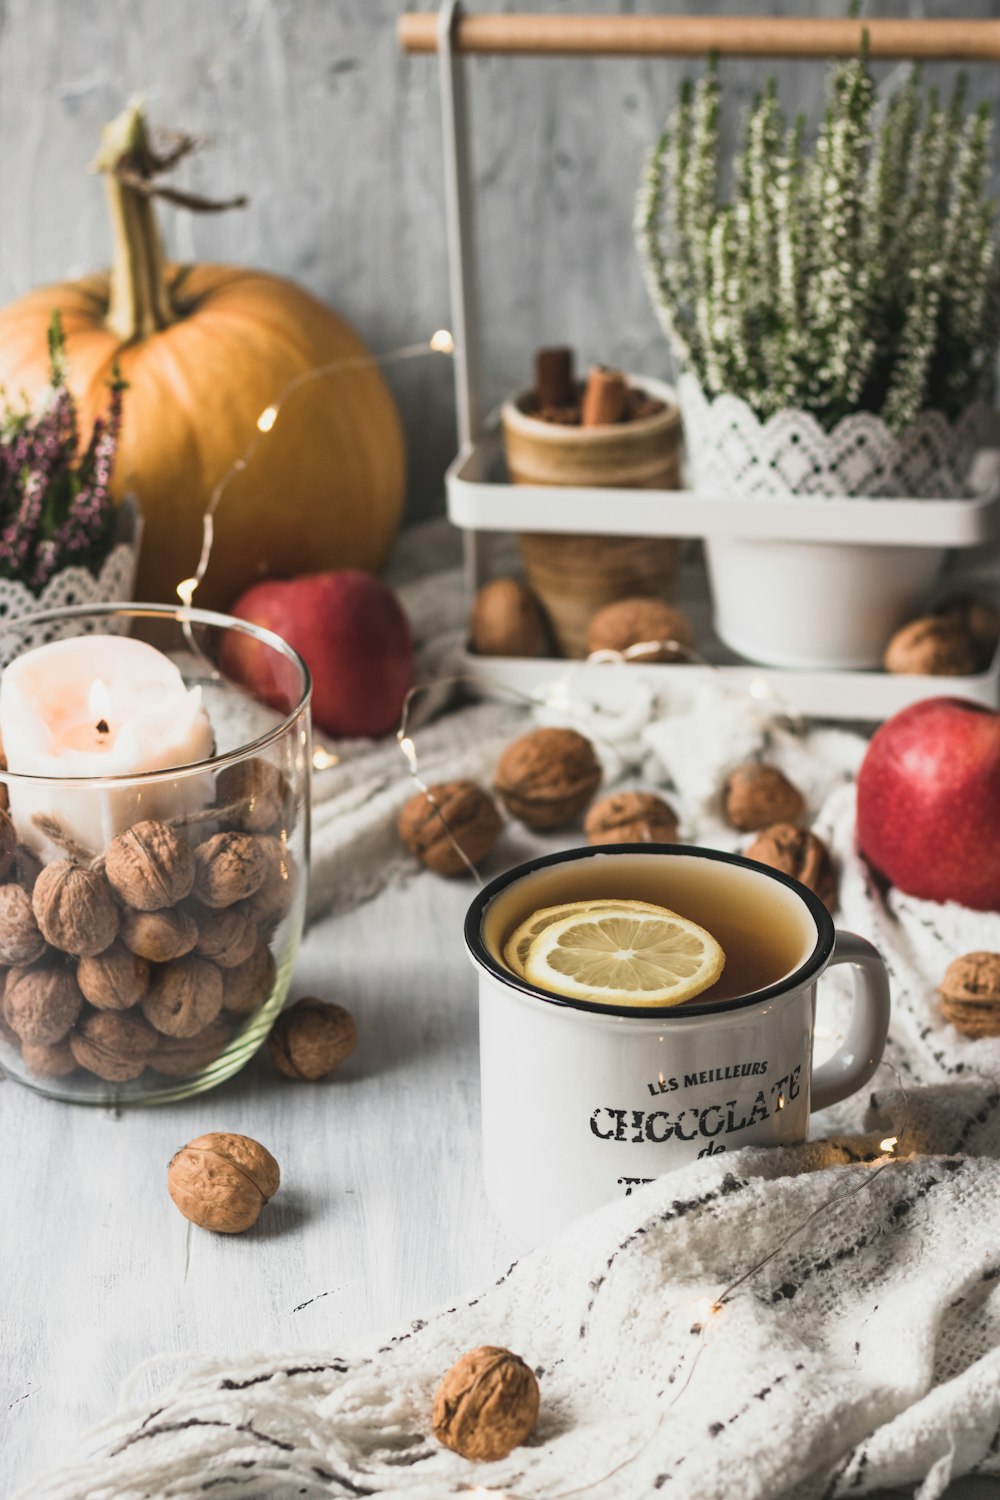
[685, 36]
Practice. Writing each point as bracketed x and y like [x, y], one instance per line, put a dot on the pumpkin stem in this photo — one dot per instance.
[140, 301]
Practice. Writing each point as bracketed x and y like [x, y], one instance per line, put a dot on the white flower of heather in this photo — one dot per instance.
[861, 273]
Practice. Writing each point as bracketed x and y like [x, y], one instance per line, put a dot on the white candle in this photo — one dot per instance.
[99, 705]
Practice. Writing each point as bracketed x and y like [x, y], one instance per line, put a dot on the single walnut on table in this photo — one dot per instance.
[150, 866]
[631, 818]
[970, 994]
[486, 1405]
[547, 777]
[450, 813]
[756, 795]
[311, 1038]
[938, 646]
[507, 620]
[221, 1181]
[799, 853]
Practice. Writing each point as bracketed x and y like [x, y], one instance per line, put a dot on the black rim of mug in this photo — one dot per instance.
[825, 934]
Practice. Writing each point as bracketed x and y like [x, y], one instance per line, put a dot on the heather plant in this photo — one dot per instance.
[55, 501]
[860, 272]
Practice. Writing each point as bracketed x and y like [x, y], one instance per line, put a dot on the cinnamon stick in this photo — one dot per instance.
[554, 377]
[605, 398]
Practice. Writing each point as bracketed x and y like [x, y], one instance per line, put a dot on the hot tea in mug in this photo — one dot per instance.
[597, 1074]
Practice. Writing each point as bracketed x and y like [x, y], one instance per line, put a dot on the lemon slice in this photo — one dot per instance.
[624, 954]
[515, 950]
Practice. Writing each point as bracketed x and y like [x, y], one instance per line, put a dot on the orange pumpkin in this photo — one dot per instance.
[206, 349]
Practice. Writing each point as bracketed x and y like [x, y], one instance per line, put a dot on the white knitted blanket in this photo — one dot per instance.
[865, 1352]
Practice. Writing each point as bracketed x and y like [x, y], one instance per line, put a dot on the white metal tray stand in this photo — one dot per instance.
[482, 500]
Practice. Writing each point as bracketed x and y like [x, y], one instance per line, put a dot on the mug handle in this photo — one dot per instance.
[855, 1061]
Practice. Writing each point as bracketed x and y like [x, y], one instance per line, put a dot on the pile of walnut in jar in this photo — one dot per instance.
[155, 953]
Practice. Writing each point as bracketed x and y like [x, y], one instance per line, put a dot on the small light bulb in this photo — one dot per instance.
[780, 1103]
[889, 1144]
[323, 759]
[267, 418]
[185, 591]
[409, 749]
[442, 342]
[760, 688]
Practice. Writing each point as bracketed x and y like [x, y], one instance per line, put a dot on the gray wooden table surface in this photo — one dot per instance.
[380, 1217]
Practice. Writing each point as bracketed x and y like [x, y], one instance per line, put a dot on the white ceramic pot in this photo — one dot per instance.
[815, 605]
[582, 1103]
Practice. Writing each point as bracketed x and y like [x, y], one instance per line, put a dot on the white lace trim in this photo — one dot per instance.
[729, 449]
[75, 585]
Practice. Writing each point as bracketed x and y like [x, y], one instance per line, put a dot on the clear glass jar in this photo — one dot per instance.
[149, 922]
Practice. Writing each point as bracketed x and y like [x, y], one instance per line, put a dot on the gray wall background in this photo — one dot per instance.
[311, 108]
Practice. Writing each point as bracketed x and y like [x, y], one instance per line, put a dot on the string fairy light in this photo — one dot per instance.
[440, 342]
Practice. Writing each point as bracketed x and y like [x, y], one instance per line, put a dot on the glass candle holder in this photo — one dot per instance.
[149, 921]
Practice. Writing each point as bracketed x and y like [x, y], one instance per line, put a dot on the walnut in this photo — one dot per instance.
[634, 622]
[114, 1044]
[252, 794]
[507, 620]
[8, 843]
[486, 1405]
[20, 940]
[227, 936]
[311, 1038]
[547, 777]
[115, 979]
[631, 818]
[936, 646]
[150, 866]
[756, 796]
[184, 996]
[981, 620]
[41, 1005]
[159, 935]
[49, 1059]
[230, 867]
[272, 902]
[797, 852]
[450, 810]
[970, 994]
[245, 988]
[221, 1181]
[75, 909]
[180, 1056]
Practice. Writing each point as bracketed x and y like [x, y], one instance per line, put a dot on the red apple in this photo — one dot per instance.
[929, 802]
[350, 630]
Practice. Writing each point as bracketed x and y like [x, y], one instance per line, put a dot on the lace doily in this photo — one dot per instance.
[74, 585]
[731, 451]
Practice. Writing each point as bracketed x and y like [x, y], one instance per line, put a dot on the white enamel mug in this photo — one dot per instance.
[581, 1103]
